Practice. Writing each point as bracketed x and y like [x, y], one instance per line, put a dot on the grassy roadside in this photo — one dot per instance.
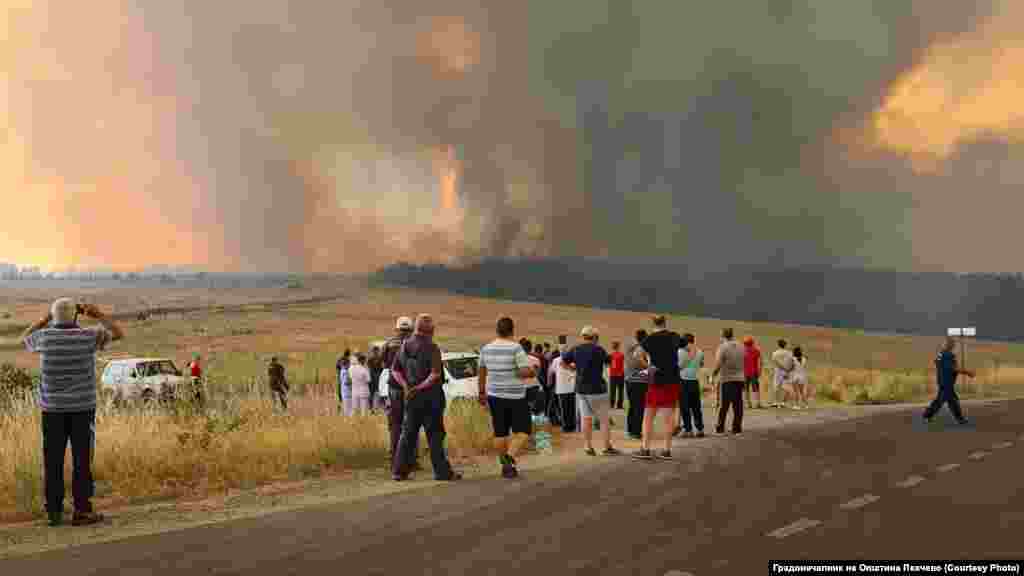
[240, 442]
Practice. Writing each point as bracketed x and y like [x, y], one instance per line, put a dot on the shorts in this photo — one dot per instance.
[662, 395]
[780, 379]
[753, 384]
[591, 405]
[508, 415]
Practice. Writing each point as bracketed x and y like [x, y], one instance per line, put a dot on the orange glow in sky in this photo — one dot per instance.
[961, 90]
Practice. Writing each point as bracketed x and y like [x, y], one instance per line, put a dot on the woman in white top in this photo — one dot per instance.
[565, 390]
[798, 377]
[359, 374]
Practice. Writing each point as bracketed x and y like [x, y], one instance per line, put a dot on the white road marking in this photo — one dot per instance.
[859, 502]
[947, 467]
[798, 526]
[1002, 445]
[977, 455]
[911, 481]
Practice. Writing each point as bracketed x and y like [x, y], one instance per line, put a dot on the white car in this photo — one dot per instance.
[140, 379]
[460, 373]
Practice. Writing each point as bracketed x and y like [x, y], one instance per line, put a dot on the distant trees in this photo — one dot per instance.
[877, 300]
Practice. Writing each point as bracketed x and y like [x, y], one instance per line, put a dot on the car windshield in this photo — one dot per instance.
[461, 368]
[163, 367]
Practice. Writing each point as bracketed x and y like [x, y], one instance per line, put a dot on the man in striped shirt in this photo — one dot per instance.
[503, 367]
[67, 397]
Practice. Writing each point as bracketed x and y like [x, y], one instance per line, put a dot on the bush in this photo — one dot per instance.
[14, 382]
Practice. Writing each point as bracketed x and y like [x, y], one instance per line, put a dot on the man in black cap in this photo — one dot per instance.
[396, 395]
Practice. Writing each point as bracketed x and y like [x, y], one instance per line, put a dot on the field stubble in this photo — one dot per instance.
[243, 442]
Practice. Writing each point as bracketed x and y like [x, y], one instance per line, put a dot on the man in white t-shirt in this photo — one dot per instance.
[783, 363]
[504, 366]
[565, 391]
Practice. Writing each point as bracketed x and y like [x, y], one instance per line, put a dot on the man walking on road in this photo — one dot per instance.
[418, 369]
[588, 360]
[396, 395]
[503, 366]
[662, 346]
[690, 362]
[617, 376]
[729, 369]
[947, 368]
[67, 398]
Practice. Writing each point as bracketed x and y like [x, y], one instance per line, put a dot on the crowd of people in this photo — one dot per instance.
[658, 373]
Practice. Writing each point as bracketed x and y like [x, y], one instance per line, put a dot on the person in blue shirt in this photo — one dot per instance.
[946, 370]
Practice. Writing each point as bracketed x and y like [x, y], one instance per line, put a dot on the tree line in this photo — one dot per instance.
[874, 300]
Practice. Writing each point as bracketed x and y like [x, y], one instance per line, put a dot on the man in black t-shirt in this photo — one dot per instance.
[662, 346]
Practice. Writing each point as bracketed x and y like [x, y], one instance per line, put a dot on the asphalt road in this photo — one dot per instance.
[873, 488]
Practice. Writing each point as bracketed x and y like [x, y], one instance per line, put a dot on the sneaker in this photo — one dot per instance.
[454, 476]
[86, 518]
[665, 455]
[590, 452]
[509, 471]
[508, 466]
[55, 520]
[399, 477]
[735, 433]
[611, 451]
[632, 437]
[688, 434]
[964, 422]
[677, 432]
[643, 454]
[719, 430]
[700, 434]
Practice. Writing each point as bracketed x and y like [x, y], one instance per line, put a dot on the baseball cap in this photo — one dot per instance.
[588, 331]
[404, 323]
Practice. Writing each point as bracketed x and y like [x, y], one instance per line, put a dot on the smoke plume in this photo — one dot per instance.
[343, 136]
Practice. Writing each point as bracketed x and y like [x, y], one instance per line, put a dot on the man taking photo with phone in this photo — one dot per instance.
[67, 398]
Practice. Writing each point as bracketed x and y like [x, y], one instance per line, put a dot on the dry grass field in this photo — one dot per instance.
[242, 441]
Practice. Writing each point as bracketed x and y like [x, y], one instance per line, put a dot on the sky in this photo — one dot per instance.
[345, 136]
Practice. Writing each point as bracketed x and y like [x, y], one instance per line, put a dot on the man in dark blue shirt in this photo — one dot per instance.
[946, 370]
[588, 360]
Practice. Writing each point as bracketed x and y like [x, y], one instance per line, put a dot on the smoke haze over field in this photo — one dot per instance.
[343, 136]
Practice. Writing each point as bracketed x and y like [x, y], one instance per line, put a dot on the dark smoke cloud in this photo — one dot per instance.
[702, 131]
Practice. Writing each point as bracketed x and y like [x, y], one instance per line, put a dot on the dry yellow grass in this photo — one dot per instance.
[245, 442]
[241, 442]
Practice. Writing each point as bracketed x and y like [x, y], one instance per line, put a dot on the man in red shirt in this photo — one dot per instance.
[752, 371]
[617, 376]
[196, 379]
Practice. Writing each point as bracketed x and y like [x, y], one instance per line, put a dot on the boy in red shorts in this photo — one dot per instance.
[662, 346]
